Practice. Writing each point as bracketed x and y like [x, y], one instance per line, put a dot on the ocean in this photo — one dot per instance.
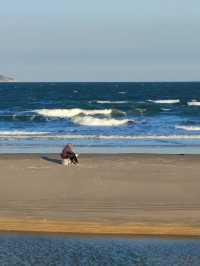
[19, 249]
[99, 117]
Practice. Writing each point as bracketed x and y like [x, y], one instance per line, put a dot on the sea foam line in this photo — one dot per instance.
[112, 102]
[22, 133]
[45, 135]
[169, 101]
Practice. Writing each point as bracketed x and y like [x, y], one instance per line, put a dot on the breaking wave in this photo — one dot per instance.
[46, 114]
[94, 121]
[86, 117]
[165, 101]
[193, 103]
[68, 113]
[189, 128]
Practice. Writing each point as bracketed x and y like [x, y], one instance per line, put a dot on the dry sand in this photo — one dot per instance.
[127, 194]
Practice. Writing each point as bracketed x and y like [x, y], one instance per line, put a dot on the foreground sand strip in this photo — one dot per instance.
[44, 226]
[106, 194]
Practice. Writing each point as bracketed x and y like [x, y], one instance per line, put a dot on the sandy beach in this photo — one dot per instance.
[105, 194]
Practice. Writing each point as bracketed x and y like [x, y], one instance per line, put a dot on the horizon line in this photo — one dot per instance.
[157, 81]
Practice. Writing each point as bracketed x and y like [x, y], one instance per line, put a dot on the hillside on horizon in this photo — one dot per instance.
[6, 79]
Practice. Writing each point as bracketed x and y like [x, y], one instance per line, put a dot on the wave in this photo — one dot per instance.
[193, 103]
[112, 102]
[93, 121]
[189, 128]
[45, 114]
[22, 117]
[169, 101]
[69, 113]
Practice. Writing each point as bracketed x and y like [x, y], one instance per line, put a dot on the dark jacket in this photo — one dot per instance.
[67, 153]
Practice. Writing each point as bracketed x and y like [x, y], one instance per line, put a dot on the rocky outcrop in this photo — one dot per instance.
[6, 79]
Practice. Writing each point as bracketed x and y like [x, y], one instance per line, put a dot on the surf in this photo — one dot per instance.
[69, 113]
[94, 121]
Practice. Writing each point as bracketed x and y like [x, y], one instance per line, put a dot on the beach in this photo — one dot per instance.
[135, 194]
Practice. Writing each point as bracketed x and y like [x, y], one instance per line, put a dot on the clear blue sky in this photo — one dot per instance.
[100, 40]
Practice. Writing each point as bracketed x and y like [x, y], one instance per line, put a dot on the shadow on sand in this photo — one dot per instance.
[53, 160]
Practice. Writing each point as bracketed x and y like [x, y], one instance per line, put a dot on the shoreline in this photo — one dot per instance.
[137, 149]
[107, 194]
[38, 155]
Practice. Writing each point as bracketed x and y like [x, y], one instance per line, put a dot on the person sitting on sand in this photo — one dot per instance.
[68, 156]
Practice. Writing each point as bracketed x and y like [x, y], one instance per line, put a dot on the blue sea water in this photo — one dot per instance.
[36, 117]
[97, 251]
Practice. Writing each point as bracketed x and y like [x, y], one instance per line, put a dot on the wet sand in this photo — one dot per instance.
[105, 194]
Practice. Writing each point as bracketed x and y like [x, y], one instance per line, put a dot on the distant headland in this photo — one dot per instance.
[6, 79]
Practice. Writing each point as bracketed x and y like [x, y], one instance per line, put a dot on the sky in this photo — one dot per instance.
[100, 40]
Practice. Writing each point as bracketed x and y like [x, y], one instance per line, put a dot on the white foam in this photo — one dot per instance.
[68, 113]
[21, 133]
[193, 103]
[169, 101]
[117, 102]
[189, 128]
[93, 121]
